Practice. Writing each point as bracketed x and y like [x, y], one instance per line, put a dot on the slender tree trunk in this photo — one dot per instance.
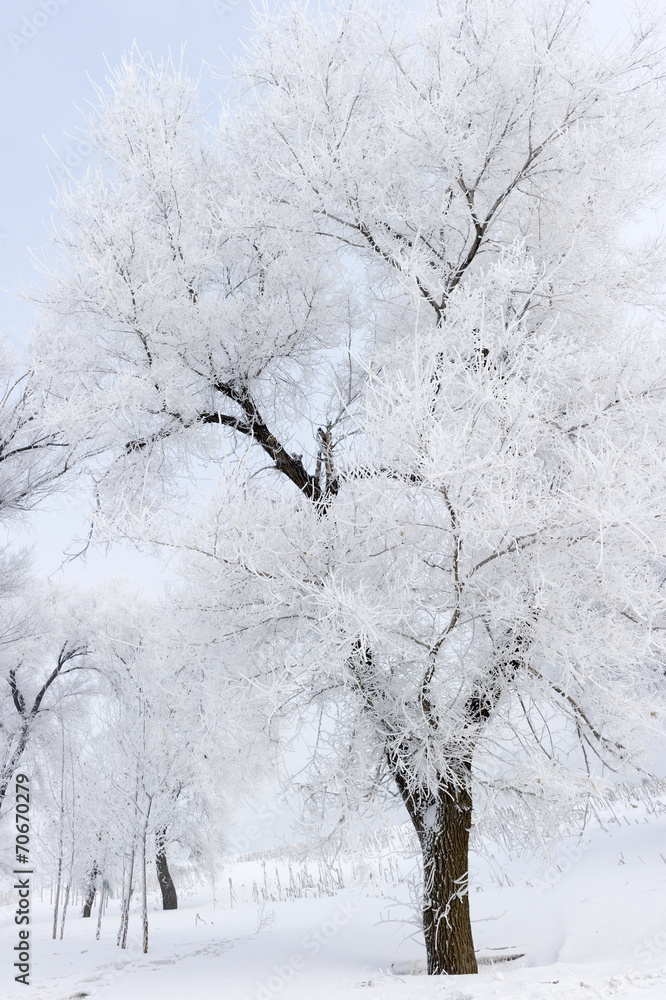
[57, 899]
[61, 836]
[101, 901]
[68, 889]
[122, 905]
[144, 879]
[124, 919]
[144, 895]
[169, 896]
[71, 857]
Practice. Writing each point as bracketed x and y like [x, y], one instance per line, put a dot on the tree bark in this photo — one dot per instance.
[68, 889]
[144, 880]
[57, 899]
[442, 821]
[444, 839]
[90, 890]
[100, 910]
[127, 899]
[12, 763]
[168, 889]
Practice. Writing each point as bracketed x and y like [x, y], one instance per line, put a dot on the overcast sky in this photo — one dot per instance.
[50, 51]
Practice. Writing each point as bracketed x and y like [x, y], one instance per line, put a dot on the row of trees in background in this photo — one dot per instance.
[117, 725]
[392, 303]
[115, 716]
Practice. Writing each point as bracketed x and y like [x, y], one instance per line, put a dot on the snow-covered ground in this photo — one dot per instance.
[596, 928]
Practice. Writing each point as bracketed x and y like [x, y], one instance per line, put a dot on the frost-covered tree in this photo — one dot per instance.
[159, 769]
[394, 299]
[34, 461]
[45, 660]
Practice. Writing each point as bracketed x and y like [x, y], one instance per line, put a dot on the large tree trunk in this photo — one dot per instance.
[169, 896]
[444, 838]
[90, 889]
[442, 821]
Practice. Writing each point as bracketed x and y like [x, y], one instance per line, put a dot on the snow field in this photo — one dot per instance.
[593, 926]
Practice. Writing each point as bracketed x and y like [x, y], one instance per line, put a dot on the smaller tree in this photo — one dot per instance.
[35, 461]
[45, 657]
[158, 766]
